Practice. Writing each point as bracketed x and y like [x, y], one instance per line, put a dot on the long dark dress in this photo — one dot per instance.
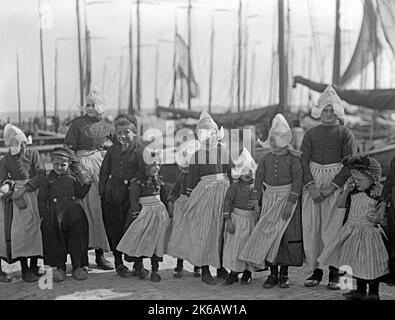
[64, 224]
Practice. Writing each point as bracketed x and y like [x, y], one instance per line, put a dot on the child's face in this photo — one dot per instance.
[124, 133]
[91, 110]
[60, 166]
[247, 176]
[328, 115]
[362, 181]
[152, 171]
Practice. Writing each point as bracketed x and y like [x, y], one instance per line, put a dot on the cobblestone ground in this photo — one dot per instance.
[107, 285]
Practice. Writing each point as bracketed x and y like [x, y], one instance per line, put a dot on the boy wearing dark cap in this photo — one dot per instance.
[120, 165]
[64, 224]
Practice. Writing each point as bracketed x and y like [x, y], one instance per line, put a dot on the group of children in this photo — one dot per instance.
[231, 214]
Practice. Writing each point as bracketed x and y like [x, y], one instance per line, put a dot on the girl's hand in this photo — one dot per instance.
[350, 185]
[18, 194]
[315, 194]
[230, 226]
[373, 217]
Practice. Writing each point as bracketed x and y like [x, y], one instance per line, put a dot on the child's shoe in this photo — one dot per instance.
[196, 272]
[246, 277]
[123, 271]
[283, 281]
[29, 276]
[36, 271]
[155, 277]
[178, 273]
[271, 281]
[4, 277]
[372, 296]
[59, 275]
[231, 279]
[222, 273]
[79, 274]
[354, 295]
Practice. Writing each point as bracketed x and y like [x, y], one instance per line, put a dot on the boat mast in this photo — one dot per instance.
[252, 76]
[239, 58]
[337, 47]
[18, 91]
[42, 68]
[210, 90]
[131, 111]
[87, 53]
[173, 97]
[189, 53]
[120, 84]
[56, 81]
[245, 67]
[375, 74]
[283, 83]
[79, 55]
[156, 76]
[138, 84]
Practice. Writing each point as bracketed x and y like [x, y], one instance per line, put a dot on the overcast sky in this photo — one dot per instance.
[19, 32]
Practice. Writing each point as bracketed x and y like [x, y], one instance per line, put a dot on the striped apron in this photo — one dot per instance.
[322, 221]
[359, 246]
[265, 239]
[91, 161]
[244, 221]
[204, 226]
[176, 246]
[26, 240]
[145, 237]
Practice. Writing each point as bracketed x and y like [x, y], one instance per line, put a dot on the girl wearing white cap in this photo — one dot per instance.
[359, 245]
[323, 148]
[277, 239]
[240, 217]
[208, 181]
[177, 202]
[86, 136]
[21, 169]
[148, 219]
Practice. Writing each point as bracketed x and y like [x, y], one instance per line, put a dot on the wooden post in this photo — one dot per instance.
[131, 111]
[138, 80]
[239, 58]
[189, 54]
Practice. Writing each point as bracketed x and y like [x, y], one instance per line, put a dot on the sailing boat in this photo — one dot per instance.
[374, 99]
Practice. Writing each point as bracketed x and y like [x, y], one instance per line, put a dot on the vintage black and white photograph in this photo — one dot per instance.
[197, 150]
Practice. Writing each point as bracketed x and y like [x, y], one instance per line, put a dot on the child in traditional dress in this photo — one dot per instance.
[145, 237]
[176, 203]
[20, 237]
[120, 165]
[208, 181]
[240, 217]
[64, 224]
[360, 247]
[277, 237]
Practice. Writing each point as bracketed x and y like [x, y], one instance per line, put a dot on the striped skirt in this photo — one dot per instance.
[359, 248]
[176, 246]
[204, 226]
[322, 221]
[26, 239]
[145, 237]
[244, 221]
[91, 161]
[265, 239]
